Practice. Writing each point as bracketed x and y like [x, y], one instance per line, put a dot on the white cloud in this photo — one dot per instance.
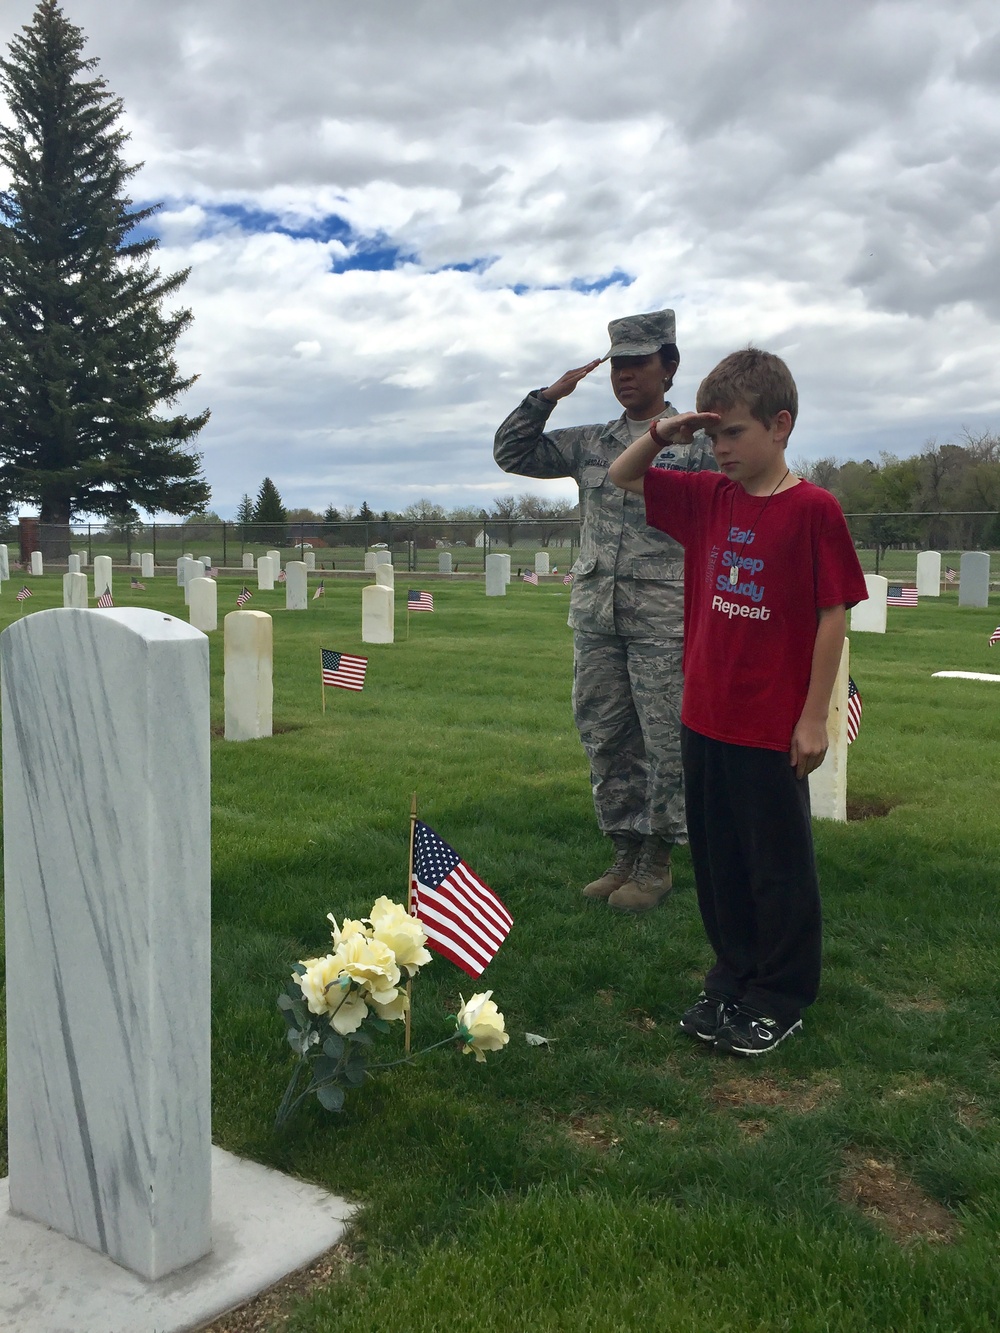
[822, 180]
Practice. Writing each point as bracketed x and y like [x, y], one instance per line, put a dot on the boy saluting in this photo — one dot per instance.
[770, 570]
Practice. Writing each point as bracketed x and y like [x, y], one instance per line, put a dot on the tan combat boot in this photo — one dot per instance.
[650, 882]
[626, 851]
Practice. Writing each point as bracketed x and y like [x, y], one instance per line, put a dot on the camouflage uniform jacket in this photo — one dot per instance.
[629, 578]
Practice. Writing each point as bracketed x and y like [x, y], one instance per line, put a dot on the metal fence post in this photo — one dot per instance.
[225, 561]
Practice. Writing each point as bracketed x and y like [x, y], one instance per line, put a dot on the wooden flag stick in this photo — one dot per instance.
[322, 682]
[409, 909]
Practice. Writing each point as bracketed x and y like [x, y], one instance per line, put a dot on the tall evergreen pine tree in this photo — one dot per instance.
[269, 515]
[86, 355]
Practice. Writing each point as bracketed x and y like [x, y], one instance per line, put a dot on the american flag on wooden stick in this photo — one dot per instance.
[244, 596]
[24, 594]
[950, 574]
[995, 637]
[136, 584]
[853, 710]
[343, 669]
[530, 577]
[419, 601]
[568, 578]
[464, 919]
[898, 595]
[320, 590]
[105, 600]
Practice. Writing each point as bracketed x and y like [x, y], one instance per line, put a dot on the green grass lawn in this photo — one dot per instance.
[622, 1177]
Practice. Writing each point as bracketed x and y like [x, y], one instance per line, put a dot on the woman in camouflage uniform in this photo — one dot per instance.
[626, 606]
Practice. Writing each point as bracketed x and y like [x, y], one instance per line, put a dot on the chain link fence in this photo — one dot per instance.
[887, 543]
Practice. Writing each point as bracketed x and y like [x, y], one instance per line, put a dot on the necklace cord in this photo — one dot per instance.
[734, 568]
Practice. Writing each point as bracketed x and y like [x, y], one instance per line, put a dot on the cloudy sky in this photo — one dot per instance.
[401, 215]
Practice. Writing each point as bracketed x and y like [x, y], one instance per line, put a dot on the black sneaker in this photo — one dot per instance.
[747, 1032]
[707, 1015]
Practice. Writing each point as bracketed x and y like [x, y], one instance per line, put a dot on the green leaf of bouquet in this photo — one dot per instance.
[324, 1068]
[331, 1096]
[379, 1024]
[362, 1037]
[354, 1069]
[285, 1001]
[333, 1046]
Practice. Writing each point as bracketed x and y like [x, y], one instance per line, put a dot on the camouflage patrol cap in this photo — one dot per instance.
[641, 335]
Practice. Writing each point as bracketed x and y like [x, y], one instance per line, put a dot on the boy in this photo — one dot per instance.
[770, 570]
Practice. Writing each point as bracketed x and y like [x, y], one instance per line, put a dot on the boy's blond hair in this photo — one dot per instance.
[758, 379]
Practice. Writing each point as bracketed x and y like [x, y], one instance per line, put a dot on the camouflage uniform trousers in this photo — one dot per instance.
[627, 704]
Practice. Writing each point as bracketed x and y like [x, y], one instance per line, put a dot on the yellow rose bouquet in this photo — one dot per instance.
[332, 1006]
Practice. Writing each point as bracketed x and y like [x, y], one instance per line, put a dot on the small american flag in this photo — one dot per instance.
[995, 637]
[24, 594]
[105, 600]
[419, 601]
[212, 573]
[897, 595]
[950, 574]
[464, 919]
[344, 669]
[244, 596]
[853, 711]
[567, 578]
[530, 577]
[282, 577]
[136, 584]
[320, 591]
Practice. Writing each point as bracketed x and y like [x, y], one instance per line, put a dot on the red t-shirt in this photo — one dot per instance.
[748, 646]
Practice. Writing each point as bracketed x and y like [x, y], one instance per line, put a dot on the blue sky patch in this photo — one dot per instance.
[616, 278]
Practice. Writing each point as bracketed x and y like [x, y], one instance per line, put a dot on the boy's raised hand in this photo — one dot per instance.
[566, 383]
[682, 427]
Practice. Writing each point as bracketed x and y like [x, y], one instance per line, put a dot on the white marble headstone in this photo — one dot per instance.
[103, 575]
[496, 576]
[870, 616]
[974, 579]
[444, 562]
[541, 562]
[180, 570]
[203, 604]
[309, 559]
[107, 863]
[37, 564]
[4, 562]
[136, 561]
[75, 589]
[72, 564]
[371, 559]
[248, 560]
[147, 565]
[84, 559]
[266, 573]
[275, 561]
[506, 567]
[929, 574]
[383, 558]
[249, 673]
[296, 585]
[385, 575]
[828, 783]
[192, 569]
[377, 612]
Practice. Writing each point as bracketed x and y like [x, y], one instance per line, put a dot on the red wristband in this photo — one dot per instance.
[655, 434]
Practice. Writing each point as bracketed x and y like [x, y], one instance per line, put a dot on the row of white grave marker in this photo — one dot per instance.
[973, 588]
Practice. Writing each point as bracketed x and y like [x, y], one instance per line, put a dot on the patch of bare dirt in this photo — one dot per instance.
[969, 1113]
[917, 1004]
[605, 996]
[593, 1131]
[752, 1129]
[798, 1097]
[272, 1307]
[894, 1203]
[868, 807]
[277, 729]
[640, 1020]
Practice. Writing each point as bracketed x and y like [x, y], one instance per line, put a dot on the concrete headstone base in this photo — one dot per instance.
[265, 1225]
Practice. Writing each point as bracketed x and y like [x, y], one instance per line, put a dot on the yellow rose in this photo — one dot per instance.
[350, 1014]
[395, 1009]
[480, 1026]
[400, 932]
[320, 983]
[345, 931]
[371, 965]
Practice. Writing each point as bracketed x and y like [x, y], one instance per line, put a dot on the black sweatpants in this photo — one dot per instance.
[750, 834]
